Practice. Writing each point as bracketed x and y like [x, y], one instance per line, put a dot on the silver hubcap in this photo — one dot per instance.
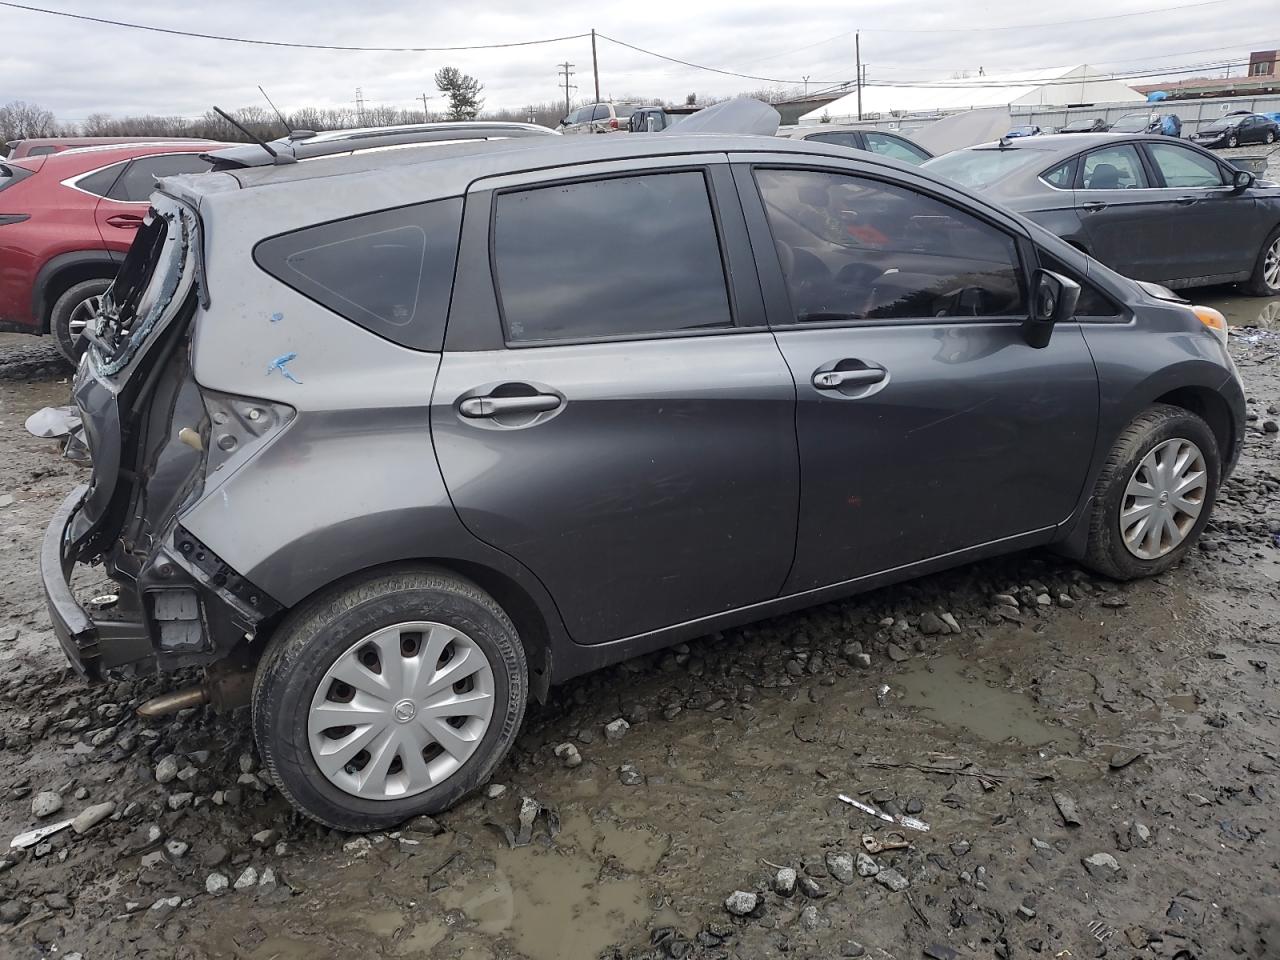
[85, 312]
[401, 711]
[1164, 497]
[1271, 265]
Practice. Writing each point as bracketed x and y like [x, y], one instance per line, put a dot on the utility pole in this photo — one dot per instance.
[566, 72]
[806, 85]
[359, 105]
[595, 65]
[857, 53]
[426, 114]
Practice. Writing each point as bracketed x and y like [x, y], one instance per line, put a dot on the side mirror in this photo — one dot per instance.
[1241, 181]
[564, 121]
[1053, 300]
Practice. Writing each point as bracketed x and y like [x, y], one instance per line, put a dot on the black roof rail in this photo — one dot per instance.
[306, 145]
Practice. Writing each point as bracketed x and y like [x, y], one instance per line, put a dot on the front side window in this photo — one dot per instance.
[390, 272]
[139, 180]
[1181, 167]
[854, 248]
[617, 257]
[1114, 168]
[894, 147]
[1093, 303]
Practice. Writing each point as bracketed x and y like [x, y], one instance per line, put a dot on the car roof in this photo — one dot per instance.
[89, 158]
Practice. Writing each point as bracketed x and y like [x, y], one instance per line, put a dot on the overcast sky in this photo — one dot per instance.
[76, 68]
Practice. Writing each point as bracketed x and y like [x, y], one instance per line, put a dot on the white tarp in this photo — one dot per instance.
[739, 115]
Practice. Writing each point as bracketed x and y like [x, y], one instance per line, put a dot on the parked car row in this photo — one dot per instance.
[848, 371]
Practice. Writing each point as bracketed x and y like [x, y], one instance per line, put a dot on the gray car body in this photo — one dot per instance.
[1176, 236]
[689, 483]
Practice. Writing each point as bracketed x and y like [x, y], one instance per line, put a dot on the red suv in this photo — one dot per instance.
[66, 220]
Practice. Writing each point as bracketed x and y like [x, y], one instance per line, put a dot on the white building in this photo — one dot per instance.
[1057, 87]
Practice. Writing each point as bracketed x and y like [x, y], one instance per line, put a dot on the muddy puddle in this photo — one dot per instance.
[944, 690]
[1240, 311]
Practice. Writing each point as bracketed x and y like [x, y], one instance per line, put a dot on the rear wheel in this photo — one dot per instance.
[1271, 136]
[73, 312]
[393, 696]
[1154, 495]
[1265, 281]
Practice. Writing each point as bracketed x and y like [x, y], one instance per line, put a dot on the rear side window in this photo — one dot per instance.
[840, 139]
[1114, 168]
[609, 258]
[41, 151]
[1061, 176]
[101, 182]
[896, 147]
[12, 173]
[390, 272]
[139, 180]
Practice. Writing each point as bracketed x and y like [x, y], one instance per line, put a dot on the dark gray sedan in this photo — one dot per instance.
[1148, 207]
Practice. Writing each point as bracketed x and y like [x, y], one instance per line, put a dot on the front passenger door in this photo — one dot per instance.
[926, 424]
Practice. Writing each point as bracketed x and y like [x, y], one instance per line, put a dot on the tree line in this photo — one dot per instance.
[20, 120]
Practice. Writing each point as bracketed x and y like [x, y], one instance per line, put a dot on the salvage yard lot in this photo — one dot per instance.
[1097, 764]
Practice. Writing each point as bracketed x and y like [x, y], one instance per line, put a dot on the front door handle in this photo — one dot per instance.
[126, 221]
[835, 379]
[1093, 206]
[1186, 201]
[476, 407]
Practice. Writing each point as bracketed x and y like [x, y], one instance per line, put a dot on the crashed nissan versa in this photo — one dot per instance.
[378, 435]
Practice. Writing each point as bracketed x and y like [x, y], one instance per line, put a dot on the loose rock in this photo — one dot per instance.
[45, 804]
[740, 903]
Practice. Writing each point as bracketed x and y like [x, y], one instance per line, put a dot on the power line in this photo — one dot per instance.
[282, 43]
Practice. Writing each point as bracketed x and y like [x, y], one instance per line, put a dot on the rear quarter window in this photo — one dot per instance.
[390, 272]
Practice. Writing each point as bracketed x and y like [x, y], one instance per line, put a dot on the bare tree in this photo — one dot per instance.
[20, 120]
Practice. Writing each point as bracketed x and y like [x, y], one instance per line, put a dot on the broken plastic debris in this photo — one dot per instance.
[905, 821]
[530, 810]
[890, 841]
[32, 837]
[882, 693]
[52, 422]
[279, 364]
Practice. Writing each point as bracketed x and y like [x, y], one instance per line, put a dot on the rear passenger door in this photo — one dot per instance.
[121, 210]
[926, 424]
[1125, 220]
[611, 409]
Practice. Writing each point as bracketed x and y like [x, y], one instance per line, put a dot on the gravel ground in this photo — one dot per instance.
[1097, 765]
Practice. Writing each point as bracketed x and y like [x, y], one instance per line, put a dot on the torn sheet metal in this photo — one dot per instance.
[909, 822]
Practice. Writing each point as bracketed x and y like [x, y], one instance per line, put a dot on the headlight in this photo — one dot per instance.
[1212, 319]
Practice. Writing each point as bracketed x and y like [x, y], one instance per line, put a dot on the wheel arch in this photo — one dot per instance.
[64, 271]
[1210, 406]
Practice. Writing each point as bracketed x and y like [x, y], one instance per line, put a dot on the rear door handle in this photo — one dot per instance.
[835, 379]
[126, 221]
[476, 407]
[1186, 201]
[1093, 206]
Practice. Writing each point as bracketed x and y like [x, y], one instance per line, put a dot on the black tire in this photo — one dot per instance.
[312, 637]
[1257, 285]
[1106, 552]
[70, 346]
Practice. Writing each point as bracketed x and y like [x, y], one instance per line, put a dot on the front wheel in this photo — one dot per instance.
[1154, 495]
[1233, 141]
[1265, 281]
[73, 312]
[393, 696]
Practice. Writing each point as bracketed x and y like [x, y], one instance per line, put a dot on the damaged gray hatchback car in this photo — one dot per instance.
[404, 438]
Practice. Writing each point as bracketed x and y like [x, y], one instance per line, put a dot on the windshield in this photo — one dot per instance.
[982, 167]
[145, 287]
[1134, 123]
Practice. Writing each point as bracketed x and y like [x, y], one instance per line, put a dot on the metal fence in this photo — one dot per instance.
[1192, 112]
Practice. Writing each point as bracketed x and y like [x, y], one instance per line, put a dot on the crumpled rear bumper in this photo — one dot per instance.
[107, 637]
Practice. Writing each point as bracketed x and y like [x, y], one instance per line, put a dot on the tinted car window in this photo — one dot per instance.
[41, 151]
[101, 182]
[1181, 167]
[857, 249]
[139, 180]
[841, 139]
[894, 147]
[609, 258]
[601, 112]
[391, 272]
[1061, 176]
[1113, 168]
